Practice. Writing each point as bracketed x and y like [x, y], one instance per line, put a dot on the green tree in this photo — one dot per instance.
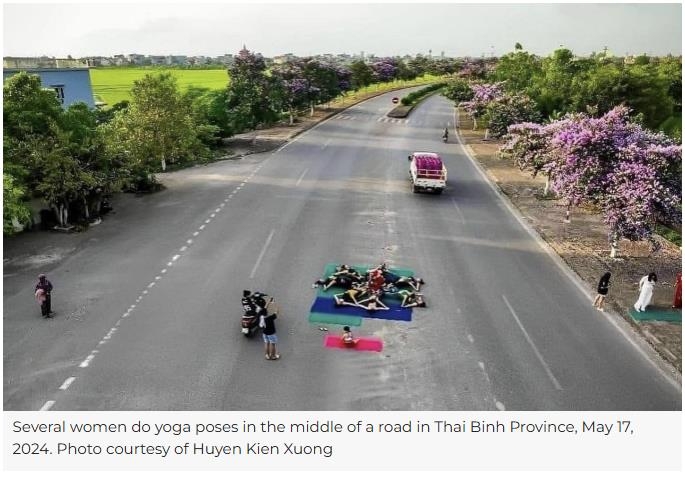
[647, 93]
[28, 108]
[362, 75]
[519, 70]
[158, 128]
[250, 100]
[507, 110]
[458, 90]
[14, 210]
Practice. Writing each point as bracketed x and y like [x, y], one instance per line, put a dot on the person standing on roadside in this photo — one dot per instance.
[602, 290]
[43, 290]
[268, 318]
[647, 284]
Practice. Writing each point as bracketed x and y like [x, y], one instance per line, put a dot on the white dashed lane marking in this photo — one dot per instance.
[195, 234]
[67, 383]
[86, 362]
[47, 406]
[189, 241]
[261, 254]
[301, 177]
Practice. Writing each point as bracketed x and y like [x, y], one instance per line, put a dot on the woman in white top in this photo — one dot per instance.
[646, 291]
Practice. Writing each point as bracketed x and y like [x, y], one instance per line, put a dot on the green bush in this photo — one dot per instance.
[669, 234]
[413, 97]
[673, 127]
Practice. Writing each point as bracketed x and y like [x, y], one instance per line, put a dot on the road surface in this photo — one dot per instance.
[148, 302]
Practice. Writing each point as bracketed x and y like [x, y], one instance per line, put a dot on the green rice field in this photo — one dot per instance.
[112, 85]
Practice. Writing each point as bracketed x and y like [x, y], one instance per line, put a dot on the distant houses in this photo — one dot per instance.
[135, 59]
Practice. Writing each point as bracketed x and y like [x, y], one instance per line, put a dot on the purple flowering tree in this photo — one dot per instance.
[384, 70]
[483, 95]
[528, 146]
[632, 174]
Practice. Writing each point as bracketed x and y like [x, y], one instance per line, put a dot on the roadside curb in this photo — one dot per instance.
[635, 336]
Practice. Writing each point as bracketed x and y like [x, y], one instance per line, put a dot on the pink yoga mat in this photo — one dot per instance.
[365, 343]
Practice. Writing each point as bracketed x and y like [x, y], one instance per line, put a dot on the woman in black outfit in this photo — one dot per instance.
[602, 290]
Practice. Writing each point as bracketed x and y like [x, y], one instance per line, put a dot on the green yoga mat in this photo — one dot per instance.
[656, 314]
[329, 270]
[330, 319]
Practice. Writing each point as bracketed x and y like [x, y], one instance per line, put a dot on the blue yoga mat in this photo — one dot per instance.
[327, 305]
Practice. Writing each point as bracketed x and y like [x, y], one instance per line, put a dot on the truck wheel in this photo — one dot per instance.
[438, 191]
[414, 189]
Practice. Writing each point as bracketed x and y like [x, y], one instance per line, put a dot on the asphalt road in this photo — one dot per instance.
[148, 303]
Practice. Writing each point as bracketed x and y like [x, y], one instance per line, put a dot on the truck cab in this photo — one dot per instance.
[427, 172]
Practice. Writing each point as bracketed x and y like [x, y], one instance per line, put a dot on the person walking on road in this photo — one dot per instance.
[602, 290]
[43, 290]
[646, 285]
[269, 315]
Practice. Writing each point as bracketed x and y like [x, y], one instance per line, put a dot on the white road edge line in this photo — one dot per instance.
[47, 406]
[67, 383]
[532, 345]
[570, 274]
[301, 177]
[261, 254]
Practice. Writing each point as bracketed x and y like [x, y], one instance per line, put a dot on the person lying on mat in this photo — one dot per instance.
[344, 277]
[347, 337]
[350, 297]
[373, 303]
[411, 299]
[399, 280]
[344, 281]
[348, 271]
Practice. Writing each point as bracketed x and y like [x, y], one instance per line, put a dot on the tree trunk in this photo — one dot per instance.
[62, 215]
[475, 124]
[487, 135]
[567, 218]
[292, 118]
[311, 109]
[613, 241]
[163, 164]
[545, 192]
[86, 208]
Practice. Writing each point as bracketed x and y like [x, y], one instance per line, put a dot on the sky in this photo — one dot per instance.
[384, 29]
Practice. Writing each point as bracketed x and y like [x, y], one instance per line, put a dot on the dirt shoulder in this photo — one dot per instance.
[583, 245]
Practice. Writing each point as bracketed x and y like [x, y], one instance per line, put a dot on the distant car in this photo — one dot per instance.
[427, 172]
[395, 100]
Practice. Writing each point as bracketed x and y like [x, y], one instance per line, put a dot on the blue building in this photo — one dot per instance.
[71, 85]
